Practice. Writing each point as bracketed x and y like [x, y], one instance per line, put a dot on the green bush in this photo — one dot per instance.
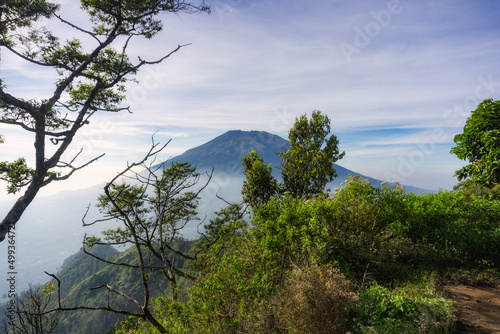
[464, 229]
[409, 309]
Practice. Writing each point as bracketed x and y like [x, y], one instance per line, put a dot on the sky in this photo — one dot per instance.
[397, 78]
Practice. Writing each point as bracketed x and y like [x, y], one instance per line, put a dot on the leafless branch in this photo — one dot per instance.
[61, 164]
[154, 62]
[111, 289]
[77, 28]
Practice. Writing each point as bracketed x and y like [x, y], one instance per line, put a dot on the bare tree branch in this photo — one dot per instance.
[78, 28]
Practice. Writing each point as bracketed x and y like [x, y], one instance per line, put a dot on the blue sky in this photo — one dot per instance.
[397, 78]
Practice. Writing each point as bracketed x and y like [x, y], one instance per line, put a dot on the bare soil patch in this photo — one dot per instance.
[478, 308]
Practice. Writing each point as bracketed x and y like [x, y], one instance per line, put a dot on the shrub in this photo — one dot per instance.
[315, 300]
[409, 309]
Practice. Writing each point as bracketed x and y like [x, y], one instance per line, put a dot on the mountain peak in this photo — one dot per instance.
[225, 152]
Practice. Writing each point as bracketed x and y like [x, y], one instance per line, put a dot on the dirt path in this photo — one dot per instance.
[478, 308]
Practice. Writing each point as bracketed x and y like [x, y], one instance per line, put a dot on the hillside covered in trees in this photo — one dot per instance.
[292, 258]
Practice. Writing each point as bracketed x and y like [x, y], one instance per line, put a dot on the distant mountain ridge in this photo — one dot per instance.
[225, 154]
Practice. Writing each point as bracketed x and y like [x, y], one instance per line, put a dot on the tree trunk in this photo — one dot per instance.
[19, 207]
[153, 321]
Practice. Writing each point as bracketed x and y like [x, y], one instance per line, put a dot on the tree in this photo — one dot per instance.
[260, 185]
[307, 165]
[153, 222]
[29, 317]
[90, 81]
[152, 212]
[479, 144]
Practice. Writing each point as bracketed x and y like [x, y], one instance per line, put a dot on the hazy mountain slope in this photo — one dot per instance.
[81, 273]
[76, 270]
[78, 275]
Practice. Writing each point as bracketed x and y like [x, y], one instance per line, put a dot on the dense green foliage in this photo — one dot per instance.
[339, 263]
[479, 144]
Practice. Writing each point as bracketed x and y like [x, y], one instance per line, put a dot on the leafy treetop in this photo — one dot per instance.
[479, 144]
[307, 166]
[259, 185]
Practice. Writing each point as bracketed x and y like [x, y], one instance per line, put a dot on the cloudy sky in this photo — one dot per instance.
[398, 79]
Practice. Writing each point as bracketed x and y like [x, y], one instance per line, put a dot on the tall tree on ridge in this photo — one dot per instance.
[307, 166]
